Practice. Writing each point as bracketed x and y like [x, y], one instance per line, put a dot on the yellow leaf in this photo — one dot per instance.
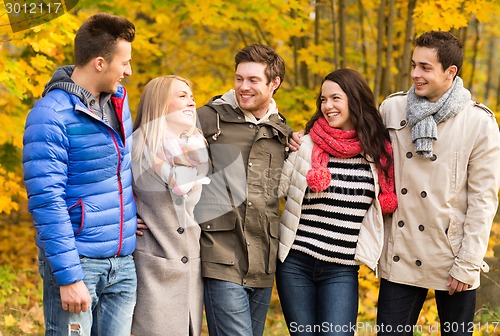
[9, 320]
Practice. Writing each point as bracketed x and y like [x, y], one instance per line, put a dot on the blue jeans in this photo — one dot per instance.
[399, 306]
[317, 297]
[112, 285]
[233, 309]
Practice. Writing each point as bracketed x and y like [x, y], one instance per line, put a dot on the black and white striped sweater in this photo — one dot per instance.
[330, 220]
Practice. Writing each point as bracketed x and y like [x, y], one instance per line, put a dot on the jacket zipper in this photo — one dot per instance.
[120, 191]
[118, 174]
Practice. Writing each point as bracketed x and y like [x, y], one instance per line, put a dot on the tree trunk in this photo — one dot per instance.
[334, 37]
[497, 107]
[380, 49]
[475, 49]
[342, 28]
[461, 34]
[317, 28]
[295, 61]
[386, 84]
[490, 70]
[364, 53]
[304, 70]
[295, 44]
[404, 78]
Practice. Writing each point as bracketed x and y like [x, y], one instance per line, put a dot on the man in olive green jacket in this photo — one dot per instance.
[238, 211]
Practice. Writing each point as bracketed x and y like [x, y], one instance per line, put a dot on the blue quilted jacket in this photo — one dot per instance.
[79, 182]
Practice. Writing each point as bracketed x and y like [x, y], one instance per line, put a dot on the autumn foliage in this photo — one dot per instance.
[197, 39]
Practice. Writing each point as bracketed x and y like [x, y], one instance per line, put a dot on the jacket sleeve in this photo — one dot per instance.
[483, 183]
[45, 160]
[286, 174]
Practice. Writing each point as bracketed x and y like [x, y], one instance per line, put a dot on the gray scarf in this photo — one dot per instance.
[423, 115]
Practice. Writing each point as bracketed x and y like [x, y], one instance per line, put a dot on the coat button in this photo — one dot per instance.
[184, 259]
[423, 194]
[395, 258]
[418, 263]
[249, 204]
[250, 164]
[421, 227]
[404, 191]
[409, 155]
[403, 122]
[178, 201]
[208, 226]
[434, 157]
[180, 230]
[401, 223]
[251, 125]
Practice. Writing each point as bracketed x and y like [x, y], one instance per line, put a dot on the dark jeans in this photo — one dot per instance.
[317, 297]
[399, 306]
[233, 309]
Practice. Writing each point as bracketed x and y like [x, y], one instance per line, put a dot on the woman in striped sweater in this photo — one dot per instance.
[338, 185]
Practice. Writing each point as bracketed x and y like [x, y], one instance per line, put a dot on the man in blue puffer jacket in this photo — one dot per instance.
[76, 160]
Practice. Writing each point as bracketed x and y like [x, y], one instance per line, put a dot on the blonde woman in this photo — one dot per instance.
[169, 165]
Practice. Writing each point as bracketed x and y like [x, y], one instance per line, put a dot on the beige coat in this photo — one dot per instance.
[293, 185]
[447, 203]
[170, 287]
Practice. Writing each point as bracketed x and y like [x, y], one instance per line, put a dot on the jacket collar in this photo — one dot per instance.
[233, 114]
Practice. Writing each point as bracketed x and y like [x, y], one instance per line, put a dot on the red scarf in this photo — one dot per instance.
[345, 144]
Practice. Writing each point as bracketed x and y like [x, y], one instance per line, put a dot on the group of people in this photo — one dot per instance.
[142, 225]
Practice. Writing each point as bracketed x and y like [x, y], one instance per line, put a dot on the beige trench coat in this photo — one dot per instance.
[169, 283]
[447, 203]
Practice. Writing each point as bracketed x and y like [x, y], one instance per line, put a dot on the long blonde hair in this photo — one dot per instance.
[150, 123]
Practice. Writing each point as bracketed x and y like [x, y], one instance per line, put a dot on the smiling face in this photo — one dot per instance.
[116, 70]
[181, 112]
[335, 106]
[253, 93]
[429, 77]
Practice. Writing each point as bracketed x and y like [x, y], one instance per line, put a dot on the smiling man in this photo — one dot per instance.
[446, 162]
[76, 160]
[238, 211]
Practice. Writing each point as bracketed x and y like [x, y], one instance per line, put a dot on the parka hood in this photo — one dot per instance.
[61, 79]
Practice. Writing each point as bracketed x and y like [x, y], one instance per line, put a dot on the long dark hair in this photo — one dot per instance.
[363, 113]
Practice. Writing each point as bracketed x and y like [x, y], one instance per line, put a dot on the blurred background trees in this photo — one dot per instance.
[198, 39]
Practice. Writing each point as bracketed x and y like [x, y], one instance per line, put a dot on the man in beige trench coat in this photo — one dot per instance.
[447, 159]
